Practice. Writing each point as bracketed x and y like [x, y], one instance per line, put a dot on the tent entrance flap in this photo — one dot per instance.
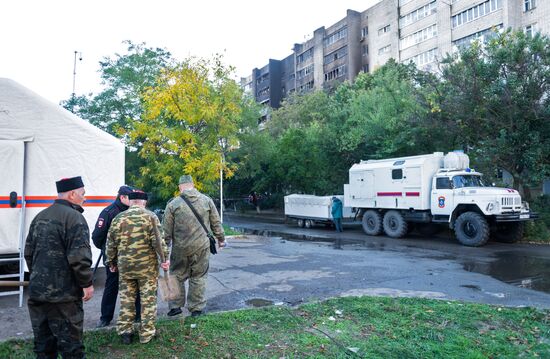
[12, 160]
[12, 211]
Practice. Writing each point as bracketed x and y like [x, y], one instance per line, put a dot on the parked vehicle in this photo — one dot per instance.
[309, 210]
[394, 194]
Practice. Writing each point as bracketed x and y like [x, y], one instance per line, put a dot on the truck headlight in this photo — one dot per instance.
[492, 206]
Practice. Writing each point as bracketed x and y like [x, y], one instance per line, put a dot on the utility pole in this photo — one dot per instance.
[74, 71]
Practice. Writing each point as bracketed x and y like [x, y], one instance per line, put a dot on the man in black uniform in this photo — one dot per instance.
[99, 237]
[59, 259]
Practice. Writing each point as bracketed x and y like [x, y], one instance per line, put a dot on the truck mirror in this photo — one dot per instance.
[13, 199]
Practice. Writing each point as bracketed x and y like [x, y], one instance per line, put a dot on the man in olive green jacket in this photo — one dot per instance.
[190, 255]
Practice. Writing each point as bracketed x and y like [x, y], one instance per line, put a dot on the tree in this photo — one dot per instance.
[498, 97]
[125, 77]
[191, 118]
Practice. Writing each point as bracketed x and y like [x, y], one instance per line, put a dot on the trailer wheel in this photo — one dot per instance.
[509, 232]
[471, 229]
[301, 223]
[308, 223]
[394, 224]
[428, 229]
[372, 222]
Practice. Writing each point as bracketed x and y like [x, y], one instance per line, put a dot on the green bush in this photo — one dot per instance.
[538, 230]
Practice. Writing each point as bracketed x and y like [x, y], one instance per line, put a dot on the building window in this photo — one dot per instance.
[476, 12]
[384, 30]
[529, 5]
[304, 56]
[306, 87]
[365, 50]
[335, 73]
[340, 34]
[530, 30]
[419, 36]
[304, 72]
[423, 58]
[338, 54]
[418, 14]
[384, 50]
[365, 68]
[263, 92]
[483, 36]
[364, 31]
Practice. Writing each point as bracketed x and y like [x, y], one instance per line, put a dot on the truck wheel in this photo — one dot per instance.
[308, 223]
[509, 232]
[471, 229]
[428, 229]
[301, 223]
[372, 222]
[394, 224]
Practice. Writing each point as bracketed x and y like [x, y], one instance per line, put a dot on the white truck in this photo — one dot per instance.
[308, 209]
[394, 195]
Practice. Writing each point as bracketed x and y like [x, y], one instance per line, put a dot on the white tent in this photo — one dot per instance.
[40, 143]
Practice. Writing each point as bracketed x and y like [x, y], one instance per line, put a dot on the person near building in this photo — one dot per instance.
[189, 259]
[134, 246]
[99, 237]
[59, 258]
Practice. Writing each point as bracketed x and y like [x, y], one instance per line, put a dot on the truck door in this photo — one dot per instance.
[442, 201]
[362, 184]
[12, 159]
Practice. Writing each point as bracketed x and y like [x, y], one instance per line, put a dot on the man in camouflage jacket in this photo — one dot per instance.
[99, 237]
[59, 258]
[190, 255]
[134, 243]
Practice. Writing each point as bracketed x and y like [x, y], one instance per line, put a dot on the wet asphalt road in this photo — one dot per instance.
[286, 265]
[505, 274]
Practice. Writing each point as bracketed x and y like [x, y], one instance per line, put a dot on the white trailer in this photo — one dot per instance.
[40, 143]
[308, 210]
[393, 195]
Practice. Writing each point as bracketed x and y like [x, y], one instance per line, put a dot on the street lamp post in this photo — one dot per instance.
[222, 141]
[74, 70]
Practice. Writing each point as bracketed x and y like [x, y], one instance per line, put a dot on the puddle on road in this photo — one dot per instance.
[520, 271]
[258, 302]
[296, 237]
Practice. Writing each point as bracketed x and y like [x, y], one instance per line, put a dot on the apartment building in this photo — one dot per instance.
[418, 31]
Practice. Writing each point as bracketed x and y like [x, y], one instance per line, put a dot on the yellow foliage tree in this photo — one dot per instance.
[191, 118]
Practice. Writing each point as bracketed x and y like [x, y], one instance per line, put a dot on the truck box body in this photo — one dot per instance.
[400, 183]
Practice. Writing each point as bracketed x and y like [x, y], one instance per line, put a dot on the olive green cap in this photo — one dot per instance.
[185, 179]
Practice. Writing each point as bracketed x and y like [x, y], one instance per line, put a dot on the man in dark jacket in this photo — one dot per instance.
[59, 259]
[99, 237]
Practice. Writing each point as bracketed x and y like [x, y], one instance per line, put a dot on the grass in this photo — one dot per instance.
[354, 327]
[229, 231]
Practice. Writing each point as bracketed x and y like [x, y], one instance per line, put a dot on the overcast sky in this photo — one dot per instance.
[38, 37]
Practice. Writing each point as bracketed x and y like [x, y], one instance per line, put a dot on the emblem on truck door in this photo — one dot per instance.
[441, 201]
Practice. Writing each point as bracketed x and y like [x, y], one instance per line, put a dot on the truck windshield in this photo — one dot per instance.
[467, 181]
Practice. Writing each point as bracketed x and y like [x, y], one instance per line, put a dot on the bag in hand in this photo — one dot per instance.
[212, 240]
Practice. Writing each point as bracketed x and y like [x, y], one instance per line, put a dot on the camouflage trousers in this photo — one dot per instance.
[147, 289]
[57, 327]
[195, 269]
